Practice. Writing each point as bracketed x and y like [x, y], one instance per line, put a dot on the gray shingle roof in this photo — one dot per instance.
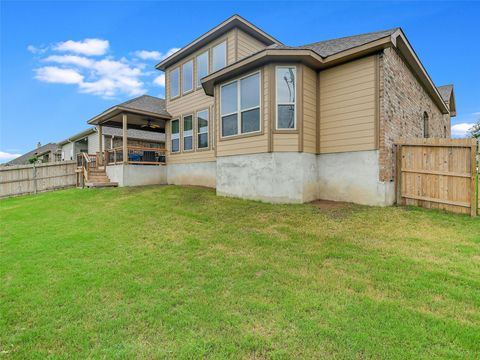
[22, 160]
[147, 103]
[330, 47]
[445, 91]
[134, 134]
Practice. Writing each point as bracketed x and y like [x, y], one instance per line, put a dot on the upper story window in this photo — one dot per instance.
[175, 136]
[202, 129]
[202, 67]
[286, 97]
[187, 76]
[187, 133]
[240, 106]
[219, 56]
[174, 83]
[425, 125]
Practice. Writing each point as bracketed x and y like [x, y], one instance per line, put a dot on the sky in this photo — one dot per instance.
[61, 63]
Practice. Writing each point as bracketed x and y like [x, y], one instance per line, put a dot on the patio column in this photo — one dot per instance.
[100, 144]
[124, 139]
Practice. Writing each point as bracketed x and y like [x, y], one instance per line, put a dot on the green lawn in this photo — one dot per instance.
[176, 272]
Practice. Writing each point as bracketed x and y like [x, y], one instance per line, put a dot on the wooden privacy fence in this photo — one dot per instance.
[27, 179]
[437, 174]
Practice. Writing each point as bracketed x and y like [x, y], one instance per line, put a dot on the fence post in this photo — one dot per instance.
[398, 175]
[473, 182]
[34, 178]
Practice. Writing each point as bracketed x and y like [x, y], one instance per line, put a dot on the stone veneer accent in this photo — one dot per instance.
[403, 101]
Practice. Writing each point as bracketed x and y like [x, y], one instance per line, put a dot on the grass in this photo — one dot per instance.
[176, 272]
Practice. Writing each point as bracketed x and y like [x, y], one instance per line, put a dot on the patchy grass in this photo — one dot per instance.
[176, 272]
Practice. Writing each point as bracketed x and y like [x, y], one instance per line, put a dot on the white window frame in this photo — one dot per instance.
[198, 79]
[184, 136]
[186, 91]
[175, 136]
[204, 132]
[178, 84]
[239, 110]
[282, 103]
[213, 55]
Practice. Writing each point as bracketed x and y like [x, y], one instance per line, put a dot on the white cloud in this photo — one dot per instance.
[36, 50]
[5, 156]
[154, 55]
[85, 47]
[160, 80]
[53, 74]
[70, 59]
[148, 55]
[460, 130]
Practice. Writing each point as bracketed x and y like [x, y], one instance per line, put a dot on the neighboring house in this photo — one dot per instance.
[257, 119]
[43, 153]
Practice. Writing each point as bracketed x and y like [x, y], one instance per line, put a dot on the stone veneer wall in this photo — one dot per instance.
[403, 101]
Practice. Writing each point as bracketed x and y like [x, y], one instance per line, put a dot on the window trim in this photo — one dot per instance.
[185, 92]
[170, 83]
[294, 103]
[197, 79]
[171, 136]
[239, 110]
[224, 41]
[183, 133]
[198, 133]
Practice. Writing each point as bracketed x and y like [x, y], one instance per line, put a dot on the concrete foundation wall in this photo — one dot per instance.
[137, 175]
[274, 177]
[353, 177]
[199, 174]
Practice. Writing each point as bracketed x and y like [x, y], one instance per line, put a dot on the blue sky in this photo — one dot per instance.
[64, 62]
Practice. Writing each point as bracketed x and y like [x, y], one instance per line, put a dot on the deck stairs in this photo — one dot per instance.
[98, 178]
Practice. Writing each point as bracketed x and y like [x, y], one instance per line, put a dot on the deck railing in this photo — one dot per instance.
[136, 155]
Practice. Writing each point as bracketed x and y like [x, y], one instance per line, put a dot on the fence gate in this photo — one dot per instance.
[437, 174]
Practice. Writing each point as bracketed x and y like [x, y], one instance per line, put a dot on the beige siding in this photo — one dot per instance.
[285, 142]
[251, 144]
[247, 45]
[309, 110]
[348, 107]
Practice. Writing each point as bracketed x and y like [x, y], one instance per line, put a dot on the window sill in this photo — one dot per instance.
[241, 136]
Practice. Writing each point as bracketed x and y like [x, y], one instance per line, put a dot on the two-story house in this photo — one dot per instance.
[257, 119]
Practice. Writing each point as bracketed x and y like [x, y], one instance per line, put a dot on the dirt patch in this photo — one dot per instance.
[334, 209]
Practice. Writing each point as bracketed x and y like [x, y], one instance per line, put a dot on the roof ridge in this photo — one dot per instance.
[351, 36]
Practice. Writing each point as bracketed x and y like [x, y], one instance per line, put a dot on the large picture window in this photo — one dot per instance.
[202, 129]
[175, 136]
[202, 67]
[286, 97]
[188, 76]
[174, 83]
[240, 106]
[219, 56]
[187, 133]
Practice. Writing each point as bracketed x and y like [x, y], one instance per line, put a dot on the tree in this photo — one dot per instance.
[474, 132]
[33, 160]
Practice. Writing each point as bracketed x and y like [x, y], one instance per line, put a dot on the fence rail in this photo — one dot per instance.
[136, 155]
[437, 173]
[28, 179]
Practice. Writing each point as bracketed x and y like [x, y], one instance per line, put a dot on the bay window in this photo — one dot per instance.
[286, 97]
[175, 136]
[187, 76]
[219, 56]
[187, 133]
[240, 106]
[174, 83]
[202, 129]
[202, 67]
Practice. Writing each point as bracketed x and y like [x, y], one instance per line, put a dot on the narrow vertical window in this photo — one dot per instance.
[425, 125]
[286, 97]
[175, 136]
[202, 129]
[174, 83]
[202, 67]
[187, 76]
[187, 133]
[219, 56]
[228, 103]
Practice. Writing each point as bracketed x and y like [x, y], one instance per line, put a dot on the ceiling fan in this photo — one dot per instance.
[150, 125]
